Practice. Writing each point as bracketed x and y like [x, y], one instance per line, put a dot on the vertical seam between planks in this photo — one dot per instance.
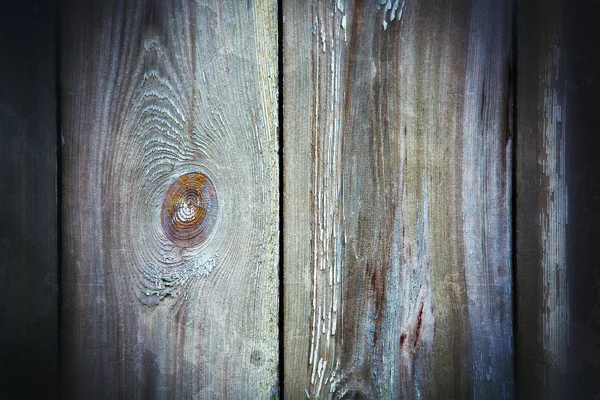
[281, 360]
[58, 191]
[513, 120]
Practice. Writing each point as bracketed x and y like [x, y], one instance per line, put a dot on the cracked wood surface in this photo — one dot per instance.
[155, 93]
[397, 182]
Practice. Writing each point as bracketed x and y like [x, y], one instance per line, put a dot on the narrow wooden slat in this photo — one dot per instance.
[537, 84]
[583, 195]
[397, 162]
[153, 91]
[558, 275]
[28, 231]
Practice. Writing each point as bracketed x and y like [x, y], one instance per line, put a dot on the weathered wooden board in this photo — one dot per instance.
[558, 269]
[397, 227]
[541, 202]
[582, 148]
[172, 297]
[28, 230]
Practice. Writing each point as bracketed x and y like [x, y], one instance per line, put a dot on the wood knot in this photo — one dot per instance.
[189, 209]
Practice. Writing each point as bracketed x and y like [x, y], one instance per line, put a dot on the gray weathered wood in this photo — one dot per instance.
[540, 173]
[28, 230]
[397, 232]
[154, 90]
[558, 268]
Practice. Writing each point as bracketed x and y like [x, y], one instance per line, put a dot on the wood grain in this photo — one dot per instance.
[397, 232]
[558, 273]
[28, 211]
[154, 90]
[540, 103]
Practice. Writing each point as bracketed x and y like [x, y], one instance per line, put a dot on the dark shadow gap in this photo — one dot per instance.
[59, 199]
[513, 215]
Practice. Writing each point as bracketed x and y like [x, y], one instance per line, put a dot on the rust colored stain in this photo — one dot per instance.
[189, 209]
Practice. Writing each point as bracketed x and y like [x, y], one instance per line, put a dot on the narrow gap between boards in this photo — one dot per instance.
[59, 197]
[513, 77]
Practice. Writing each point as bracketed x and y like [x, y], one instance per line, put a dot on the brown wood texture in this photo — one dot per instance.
[152, 91]
[397, 199]
[558, 259]
[28, 220]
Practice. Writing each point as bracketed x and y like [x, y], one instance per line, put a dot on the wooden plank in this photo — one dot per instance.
[558, 272]
[397, 232]
[534, 130]
[170, 279]
[28, 229]
[583, 196]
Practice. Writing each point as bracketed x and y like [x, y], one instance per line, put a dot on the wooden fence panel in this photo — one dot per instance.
[397, 199]
[398, 143]
[170, 199]
[28, 217]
